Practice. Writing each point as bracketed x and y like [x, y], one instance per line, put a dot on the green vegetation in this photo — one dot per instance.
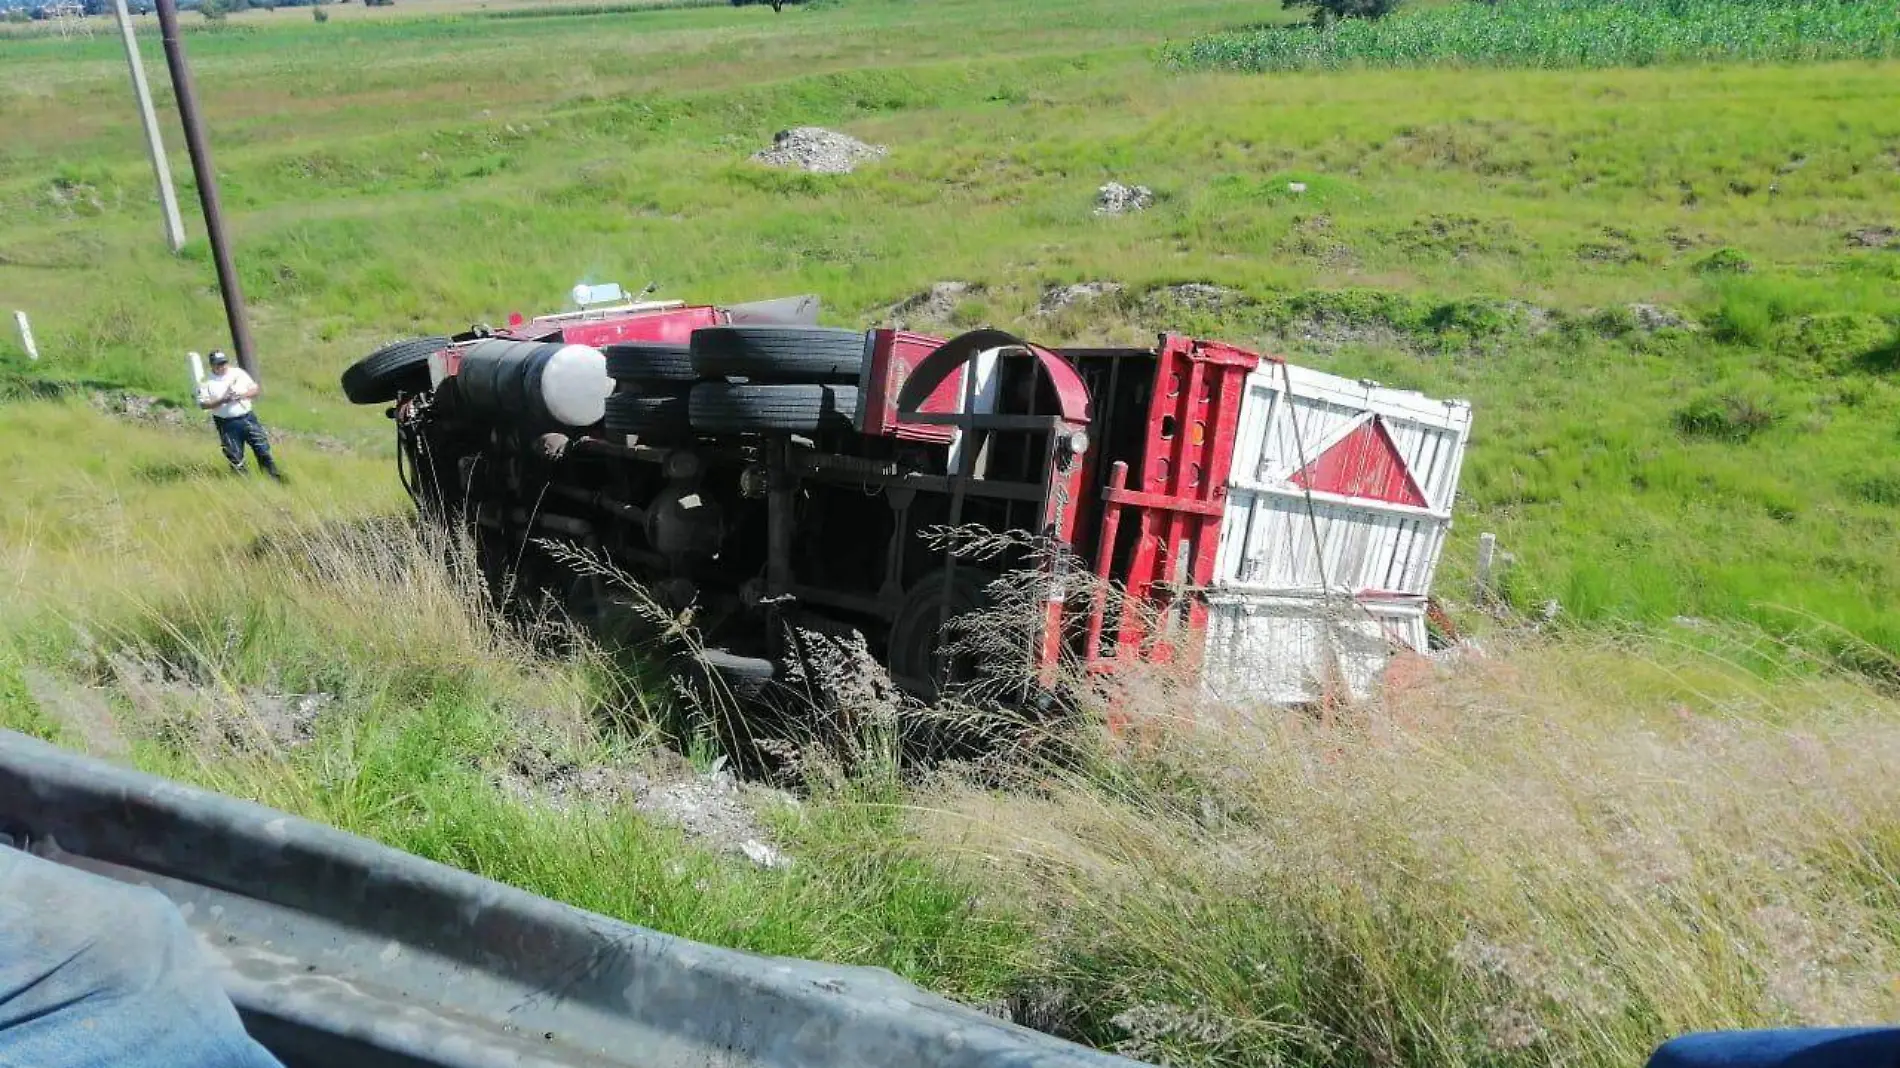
[1672, 294]
[174, 604]
[1325, 12]
[1565, 33]
[1570, 849]
[1490, 238]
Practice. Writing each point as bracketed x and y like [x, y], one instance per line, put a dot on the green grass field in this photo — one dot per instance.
[378, 186]
[1671, 292]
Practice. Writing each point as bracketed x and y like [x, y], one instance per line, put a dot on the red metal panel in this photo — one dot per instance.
[1072, 395]
[895, 355]
[1182, 484]
[1156, 500]
[1364, 463]
[1104, 561]
[674, 326]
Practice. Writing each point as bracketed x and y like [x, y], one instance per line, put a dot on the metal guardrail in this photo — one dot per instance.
[337, 950]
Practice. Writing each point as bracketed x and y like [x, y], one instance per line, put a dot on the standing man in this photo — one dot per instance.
[227, 394]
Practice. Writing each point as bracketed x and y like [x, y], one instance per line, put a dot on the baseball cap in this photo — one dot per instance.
[219, 357]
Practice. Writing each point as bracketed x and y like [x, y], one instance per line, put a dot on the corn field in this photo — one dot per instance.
[1563, 34]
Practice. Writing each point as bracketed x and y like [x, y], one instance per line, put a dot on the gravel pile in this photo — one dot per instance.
[1874, 237]
[816, 150]
[1056, 298]
[933, 307]
[1653, 317]
[710, 810]
[143, 408]
[1199, 296]
[1118, 199]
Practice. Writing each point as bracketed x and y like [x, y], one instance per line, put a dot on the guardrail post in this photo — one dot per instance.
[1487, 559]
[26, 336]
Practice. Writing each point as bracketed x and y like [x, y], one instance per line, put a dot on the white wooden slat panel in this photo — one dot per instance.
[1268, 558]
[1278, 652]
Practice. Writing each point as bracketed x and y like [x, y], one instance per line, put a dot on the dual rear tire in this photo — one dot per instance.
[738, 380]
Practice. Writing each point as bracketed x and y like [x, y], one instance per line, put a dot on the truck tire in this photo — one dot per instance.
[731, 408]
[726, 681]
[657, 412]
[395, 368]
[779, 353]
[644, 362]
[915, 649]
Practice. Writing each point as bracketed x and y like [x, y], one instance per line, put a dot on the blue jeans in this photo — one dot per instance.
[238, 431]
[98, 974]
[1793, 1047]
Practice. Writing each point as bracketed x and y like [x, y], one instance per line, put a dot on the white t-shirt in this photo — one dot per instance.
[232, 382]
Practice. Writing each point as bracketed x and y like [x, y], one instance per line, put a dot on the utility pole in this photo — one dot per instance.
[154, 142]
[207, 176]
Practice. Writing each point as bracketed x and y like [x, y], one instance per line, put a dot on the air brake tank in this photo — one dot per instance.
[537, 383]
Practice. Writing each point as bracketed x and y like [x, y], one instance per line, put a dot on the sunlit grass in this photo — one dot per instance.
[1440, 880]
[1419, 227]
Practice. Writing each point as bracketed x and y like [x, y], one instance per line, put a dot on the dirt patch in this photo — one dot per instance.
[1457, 237]
[1313, 237]
[1650, 318]
[709, 809]
[1613, 247]
[1195, 296]
[816, 150]
[1682, 241]
[1327, 334]
[535, 775]
[1118, 199]
[935, 306]
[138, 406]
[83, 711]
[1536, 319]
[1203, 295]
[1874, 237]
[712, 808]
[157, 411]
[1059, 298]
[190, 713]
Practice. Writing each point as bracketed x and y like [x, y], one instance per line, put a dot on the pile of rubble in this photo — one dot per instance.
[1118, 199]
[816, 150]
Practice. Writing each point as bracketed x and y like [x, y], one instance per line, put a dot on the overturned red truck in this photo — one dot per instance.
[1274, 528]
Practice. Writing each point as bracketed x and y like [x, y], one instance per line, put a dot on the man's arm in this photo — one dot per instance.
[242, 389]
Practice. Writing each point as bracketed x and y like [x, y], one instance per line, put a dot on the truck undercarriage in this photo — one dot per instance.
[775, 478]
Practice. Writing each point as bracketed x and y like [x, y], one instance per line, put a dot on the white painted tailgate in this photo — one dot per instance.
[1374, 472]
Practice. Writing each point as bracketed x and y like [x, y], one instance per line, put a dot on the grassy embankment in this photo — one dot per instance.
[1566, 854]
[1569, 850]
[1741, 470]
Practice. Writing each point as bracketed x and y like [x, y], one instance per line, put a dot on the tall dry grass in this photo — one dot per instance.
[134, 564]
[1560, 853]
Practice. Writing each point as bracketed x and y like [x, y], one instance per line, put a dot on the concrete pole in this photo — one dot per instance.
[26, 335]
[154, 142]
[1487, 556]
[207, 174]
